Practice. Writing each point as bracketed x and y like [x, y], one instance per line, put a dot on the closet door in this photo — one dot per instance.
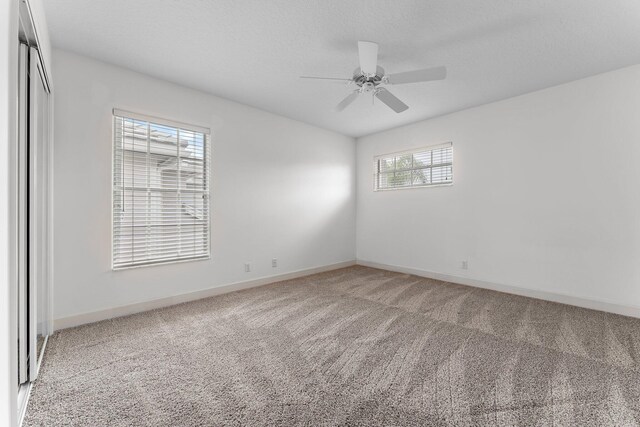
[22, 215]
[38, 212]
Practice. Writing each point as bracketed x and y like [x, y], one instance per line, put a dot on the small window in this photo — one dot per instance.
[160, 191]
[422, 167]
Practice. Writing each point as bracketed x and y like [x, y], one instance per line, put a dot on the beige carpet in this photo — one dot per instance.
[356, 346]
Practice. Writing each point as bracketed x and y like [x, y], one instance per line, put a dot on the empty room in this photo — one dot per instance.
[319, 213]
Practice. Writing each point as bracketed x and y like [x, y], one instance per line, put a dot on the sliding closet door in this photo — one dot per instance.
[22, 217]
[38, 212]
[32, 213]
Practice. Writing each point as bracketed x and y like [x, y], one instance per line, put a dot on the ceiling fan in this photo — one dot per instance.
[370, 78]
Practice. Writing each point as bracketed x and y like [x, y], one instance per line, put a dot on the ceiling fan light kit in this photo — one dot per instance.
[369, 78]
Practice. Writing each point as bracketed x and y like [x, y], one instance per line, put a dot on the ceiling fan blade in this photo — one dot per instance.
[368, 52]
[390, 100]
[347, 101]
[325, 78]
[425, 75]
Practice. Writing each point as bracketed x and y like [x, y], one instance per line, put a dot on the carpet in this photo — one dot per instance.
[356, 346]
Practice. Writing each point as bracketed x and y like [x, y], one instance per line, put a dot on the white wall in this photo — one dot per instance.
[280, 189]
[545, 193]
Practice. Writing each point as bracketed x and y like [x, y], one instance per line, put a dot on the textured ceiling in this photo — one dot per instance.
[253, 51]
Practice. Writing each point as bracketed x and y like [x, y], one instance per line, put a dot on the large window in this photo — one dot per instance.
[160, 191]
[423, 167]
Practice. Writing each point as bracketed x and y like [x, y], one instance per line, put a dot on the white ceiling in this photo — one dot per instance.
[252, 51]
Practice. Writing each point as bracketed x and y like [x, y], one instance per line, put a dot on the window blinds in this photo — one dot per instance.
[415, 168]
[160, 191]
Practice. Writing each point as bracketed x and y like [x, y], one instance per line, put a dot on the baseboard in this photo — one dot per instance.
[610, 307]
[110, 313]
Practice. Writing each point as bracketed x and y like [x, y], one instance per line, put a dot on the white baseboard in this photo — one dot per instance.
[109, 313]
[610, 307]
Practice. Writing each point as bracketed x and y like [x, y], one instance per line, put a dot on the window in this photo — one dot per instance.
[423, 167]
[160, 191]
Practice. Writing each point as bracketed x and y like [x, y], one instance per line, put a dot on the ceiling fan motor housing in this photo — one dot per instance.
[368, 82]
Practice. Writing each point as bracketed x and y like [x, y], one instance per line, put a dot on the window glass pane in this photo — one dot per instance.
[386, 165]
[404, 162]
[163, 140]
[401, 179]
[385, 180]
[442, 155]
[421, 176]
[134, 135]
[441, 174]
[422, 159]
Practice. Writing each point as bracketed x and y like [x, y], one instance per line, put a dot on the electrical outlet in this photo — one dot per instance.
[247, 267]
[274, 262]
[465, 265]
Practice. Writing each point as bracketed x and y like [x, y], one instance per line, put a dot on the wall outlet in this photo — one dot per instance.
[247, 267]
[274, 262]
[465, 265]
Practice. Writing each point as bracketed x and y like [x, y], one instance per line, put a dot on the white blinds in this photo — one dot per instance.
[160, 191]
[416, 168]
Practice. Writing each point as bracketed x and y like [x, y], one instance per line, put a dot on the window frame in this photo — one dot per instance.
[208, 144]
[377, 172]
